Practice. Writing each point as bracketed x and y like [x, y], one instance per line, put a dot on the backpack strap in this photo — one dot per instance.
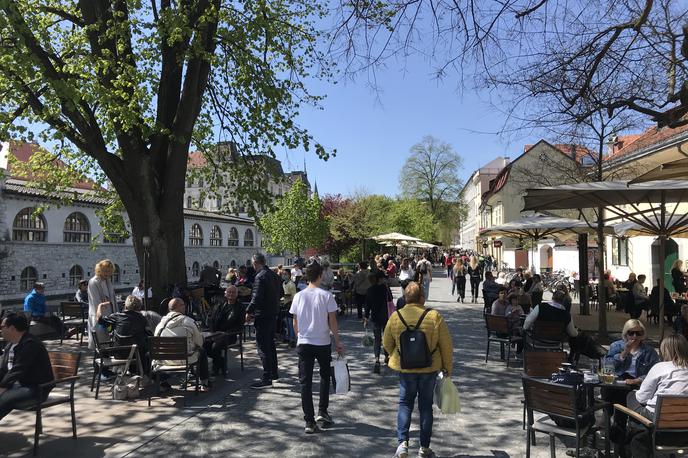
[420, 320]
[402, 319]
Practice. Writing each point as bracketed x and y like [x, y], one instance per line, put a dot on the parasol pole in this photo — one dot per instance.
[662, 254]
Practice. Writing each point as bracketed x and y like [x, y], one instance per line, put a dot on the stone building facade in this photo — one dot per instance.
[54, 246]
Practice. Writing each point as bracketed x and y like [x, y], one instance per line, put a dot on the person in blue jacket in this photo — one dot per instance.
[35, 310]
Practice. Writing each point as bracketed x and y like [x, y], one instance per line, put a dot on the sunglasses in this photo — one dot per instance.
[636, 333]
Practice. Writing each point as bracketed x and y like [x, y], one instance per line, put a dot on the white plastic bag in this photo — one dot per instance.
[340, 375]
[446, 395]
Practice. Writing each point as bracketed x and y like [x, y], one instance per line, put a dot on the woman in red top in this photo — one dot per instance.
[391, 270]
[449, 264]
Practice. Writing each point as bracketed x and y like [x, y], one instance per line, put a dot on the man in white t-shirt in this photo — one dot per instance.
[315, 317]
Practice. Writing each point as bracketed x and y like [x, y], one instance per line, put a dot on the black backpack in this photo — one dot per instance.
[413, 346]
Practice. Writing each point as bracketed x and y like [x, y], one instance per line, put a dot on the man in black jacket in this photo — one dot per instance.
[263, 310]
[25, 364]
[225, 317]
[129, 327]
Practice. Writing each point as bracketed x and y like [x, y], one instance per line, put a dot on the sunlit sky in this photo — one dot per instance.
[374, 130]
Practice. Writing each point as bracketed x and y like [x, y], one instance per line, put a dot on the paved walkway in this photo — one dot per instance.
[234, 420]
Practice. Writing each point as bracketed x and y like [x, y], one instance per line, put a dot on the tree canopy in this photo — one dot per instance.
[122, 89]
[295, 223]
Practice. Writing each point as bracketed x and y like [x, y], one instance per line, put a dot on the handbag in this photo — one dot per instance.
[391, 307]
[126, 386]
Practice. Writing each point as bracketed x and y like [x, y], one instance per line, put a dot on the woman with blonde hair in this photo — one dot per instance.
[100, 291]
[459, 281]
[678, 277]
[669, 377]
[476, 276]
[632, 359]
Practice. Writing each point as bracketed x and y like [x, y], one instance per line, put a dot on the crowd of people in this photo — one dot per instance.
[301, 304]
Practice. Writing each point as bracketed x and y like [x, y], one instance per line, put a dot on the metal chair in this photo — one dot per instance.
[170, 355]
[109, 356]
[73, 315]
[65, 368]
[561, 401]
[500, 329]
[669, 427]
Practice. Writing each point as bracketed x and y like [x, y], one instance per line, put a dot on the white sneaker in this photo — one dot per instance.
[402, 450]
[426, 452]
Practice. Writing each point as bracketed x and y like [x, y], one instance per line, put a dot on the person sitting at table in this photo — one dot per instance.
[552, 311]
[34, 307]
[25, 364]
[176, 324]
[501, 278]
[681, 321]
[669, 377]
[128, 327]
[612, 295]
[500, 304]
[231, 276]
[81, 294]
[640, 298]
[678, 277]
[632, 359]
[138, 291]
[632, 279]
[242, 277]
[490, 288]
[527, 281]
[226, 317]
[670, 309]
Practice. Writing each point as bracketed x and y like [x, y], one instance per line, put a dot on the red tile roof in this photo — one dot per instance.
[652, 136]
[23, 151]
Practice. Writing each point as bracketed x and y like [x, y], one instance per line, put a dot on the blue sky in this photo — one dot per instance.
[373, 131]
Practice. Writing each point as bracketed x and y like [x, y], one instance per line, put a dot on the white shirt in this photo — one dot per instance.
[311, 307]
[663, 378]
[10, 357]
[406, 274]
[138, 292]
[296, 272]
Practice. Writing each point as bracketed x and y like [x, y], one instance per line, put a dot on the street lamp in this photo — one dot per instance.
[146, 242]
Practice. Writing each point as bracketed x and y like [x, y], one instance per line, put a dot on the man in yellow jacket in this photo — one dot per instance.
[417, 382]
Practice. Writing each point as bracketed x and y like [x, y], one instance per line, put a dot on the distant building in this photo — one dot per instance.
[55, 246]
[471, 195]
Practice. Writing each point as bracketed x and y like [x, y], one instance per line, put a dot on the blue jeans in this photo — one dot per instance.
[426, 287]
[410, 385]
[10, 398]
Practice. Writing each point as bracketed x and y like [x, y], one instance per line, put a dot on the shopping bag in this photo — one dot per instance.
[126, 386]
[446, 395]
[391, 306]
[368, 340]
[341, 382]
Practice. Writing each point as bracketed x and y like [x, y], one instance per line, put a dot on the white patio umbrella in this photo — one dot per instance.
[644, 204]
[395, 237]
[538, 227]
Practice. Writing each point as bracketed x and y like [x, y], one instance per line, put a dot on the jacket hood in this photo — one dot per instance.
[173, 320]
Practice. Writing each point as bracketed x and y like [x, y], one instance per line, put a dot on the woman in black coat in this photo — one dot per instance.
[376, 300]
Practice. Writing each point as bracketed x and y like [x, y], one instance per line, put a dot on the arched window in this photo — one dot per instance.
[195, 269]
[248, 237]
[196, 235]
[215, 236]
[233, 239]
[232, 264]
[29, 226]
[29, 276]
[189, 202]
[115, 275]
[77, 229]
[216, 265]
[76, 274]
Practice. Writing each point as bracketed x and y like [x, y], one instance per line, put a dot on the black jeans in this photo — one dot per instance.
[460, 284]
[214, 349]
[307, 356]
[378, 331]
[265, 342]
[360, 300]
[475, 285]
